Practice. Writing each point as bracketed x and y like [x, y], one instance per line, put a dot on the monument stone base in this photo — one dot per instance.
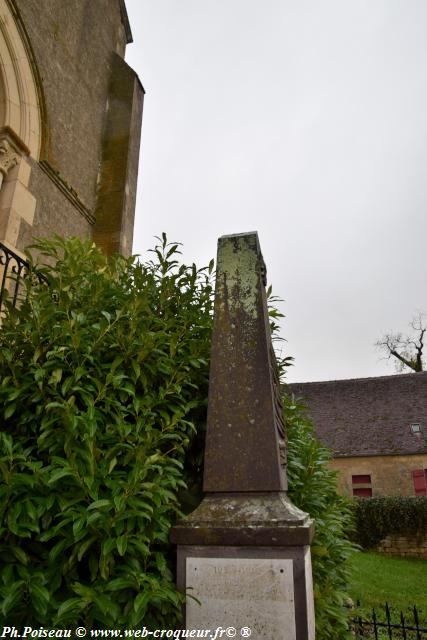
[244, 562]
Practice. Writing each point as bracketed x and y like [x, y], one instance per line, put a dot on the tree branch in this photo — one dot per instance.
[408, 350]
[408, 363]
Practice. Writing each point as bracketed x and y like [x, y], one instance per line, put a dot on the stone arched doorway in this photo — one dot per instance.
[20, 126]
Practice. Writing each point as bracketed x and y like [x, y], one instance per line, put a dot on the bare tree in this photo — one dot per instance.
[408, 350]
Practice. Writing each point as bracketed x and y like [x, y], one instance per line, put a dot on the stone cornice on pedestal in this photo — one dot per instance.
[267, 519]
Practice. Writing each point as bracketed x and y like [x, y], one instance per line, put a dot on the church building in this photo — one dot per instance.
[70, 122]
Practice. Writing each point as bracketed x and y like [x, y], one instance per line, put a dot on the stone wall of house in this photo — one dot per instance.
[390, 475]
[410, 546]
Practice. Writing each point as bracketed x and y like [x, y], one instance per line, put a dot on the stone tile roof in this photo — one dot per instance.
[368, 416]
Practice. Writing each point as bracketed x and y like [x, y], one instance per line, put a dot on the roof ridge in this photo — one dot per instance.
[386, 377]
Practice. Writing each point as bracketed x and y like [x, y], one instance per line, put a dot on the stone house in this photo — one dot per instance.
[376, 429]
[70, 121]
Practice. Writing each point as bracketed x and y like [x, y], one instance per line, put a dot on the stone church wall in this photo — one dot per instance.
[75, 50]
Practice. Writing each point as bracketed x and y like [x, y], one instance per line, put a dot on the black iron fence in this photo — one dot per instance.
[13, 270]
[389, 625]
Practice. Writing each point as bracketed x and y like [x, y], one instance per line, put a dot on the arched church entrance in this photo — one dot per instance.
[20, 126]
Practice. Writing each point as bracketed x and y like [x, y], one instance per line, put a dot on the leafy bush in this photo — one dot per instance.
[103, 379]
[312, 487]
[375, 518]
[101, 383]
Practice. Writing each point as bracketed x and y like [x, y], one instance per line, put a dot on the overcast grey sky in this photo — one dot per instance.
[306, 121]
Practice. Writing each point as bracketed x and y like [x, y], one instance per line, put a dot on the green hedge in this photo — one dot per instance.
[375, 518]
[101, 386]
[313, 488]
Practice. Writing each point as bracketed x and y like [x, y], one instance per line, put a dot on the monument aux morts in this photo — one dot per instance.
[244, 553]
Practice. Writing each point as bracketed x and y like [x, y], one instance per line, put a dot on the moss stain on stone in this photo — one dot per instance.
[238, 268]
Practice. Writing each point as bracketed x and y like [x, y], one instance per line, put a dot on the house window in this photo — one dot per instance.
[419, 478]
[362, 486]
[415, 427]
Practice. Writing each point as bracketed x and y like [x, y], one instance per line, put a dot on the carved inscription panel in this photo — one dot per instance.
[243, 593]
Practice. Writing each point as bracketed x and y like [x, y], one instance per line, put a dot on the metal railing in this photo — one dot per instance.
[13, 270]
[408, 627]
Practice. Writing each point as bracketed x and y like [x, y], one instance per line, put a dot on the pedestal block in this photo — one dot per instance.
[244, 562]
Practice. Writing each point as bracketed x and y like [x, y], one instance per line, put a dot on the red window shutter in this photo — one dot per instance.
[366, 479]
[419, 480]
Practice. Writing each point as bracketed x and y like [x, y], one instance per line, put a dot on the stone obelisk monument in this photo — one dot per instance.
[244, 553]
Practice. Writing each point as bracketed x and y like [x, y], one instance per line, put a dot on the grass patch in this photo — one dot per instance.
[402, 582]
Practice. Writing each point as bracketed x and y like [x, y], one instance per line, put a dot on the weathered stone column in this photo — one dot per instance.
[244, 553]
